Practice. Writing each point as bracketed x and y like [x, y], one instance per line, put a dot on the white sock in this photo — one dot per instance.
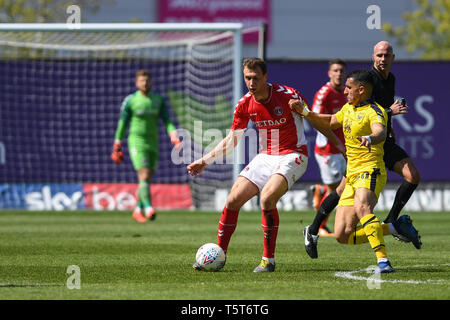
[382, 260]
[392, 229]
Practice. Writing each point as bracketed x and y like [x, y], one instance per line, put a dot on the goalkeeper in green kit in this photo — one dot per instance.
[140, 112]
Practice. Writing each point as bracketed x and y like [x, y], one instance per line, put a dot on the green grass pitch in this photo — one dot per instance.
[119, 258]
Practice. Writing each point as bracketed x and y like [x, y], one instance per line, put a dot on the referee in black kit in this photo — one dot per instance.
[395, 158]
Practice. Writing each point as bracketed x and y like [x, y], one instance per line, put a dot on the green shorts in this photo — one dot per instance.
[143, 158]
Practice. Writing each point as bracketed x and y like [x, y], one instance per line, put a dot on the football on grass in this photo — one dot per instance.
[210, 257]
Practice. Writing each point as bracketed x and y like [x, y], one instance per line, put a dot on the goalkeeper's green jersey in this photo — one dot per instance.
[141, 113]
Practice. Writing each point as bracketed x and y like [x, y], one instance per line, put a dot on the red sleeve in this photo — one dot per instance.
[320, 102]
[240, 117]
[298, 95]
[302, 97]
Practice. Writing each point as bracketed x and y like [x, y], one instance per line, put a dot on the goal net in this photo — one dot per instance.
[61, 95]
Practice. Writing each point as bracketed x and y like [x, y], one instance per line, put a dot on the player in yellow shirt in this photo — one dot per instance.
[364, 125]
[365, 165]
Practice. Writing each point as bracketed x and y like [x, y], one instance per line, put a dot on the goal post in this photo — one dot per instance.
[62, 87]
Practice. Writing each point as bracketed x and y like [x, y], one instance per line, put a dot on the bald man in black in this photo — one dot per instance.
[395, 158]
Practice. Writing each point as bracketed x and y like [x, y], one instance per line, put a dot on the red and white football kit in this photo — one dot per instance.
[282, 151]
[331, 162]
[282, 139]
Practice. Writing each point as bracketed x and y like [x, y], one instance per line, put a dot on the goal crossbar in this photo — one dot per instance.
[121, 27]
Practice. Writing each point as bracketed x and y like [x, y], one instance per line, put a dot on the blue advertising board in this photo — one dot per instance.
[41, 196]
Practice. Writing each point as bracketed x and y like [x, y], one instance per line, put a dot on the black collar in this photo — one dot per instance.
[379, 75]
[365, 102]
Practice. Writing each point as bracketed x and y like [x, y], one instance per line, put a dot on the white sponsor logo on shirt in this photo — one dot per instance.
[269, 123]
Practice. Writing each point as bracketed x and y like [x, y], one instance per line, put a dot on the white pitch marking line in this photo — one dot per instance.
[350, 275]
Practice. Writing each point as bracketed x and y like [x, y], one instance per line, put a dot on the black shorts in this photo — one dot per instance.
[392, 154]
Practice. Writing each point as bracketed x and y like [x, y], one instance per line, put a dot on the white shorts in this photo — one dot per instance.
[291, 166]
[332, 167]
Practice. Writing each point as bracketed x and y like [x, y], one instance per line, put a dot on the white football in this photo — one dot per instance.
[210, 257]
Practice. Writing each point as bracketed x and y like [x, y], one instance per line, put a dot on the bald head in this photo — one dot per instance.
[383, 56]
[383, 45]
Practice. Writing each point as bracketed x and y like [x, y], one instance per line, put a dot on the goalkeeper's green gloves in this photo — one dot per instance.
[175, 140]
[117, 154]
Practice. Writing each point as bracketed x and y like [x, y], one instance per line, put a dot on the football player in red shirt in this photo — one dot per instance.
[331, 161]
[282, 158]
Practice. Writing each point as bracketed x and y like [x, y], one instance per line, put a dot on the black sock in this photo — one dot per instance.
[328, 204]
[402, 196]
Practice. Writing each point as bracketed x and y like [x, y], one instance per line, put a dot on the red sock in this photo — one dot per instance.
[227, 225]
[269, 223]
[324, 222]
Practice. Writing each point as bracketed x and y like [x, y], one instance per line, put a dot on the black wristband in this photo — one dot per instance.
[389, 111]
